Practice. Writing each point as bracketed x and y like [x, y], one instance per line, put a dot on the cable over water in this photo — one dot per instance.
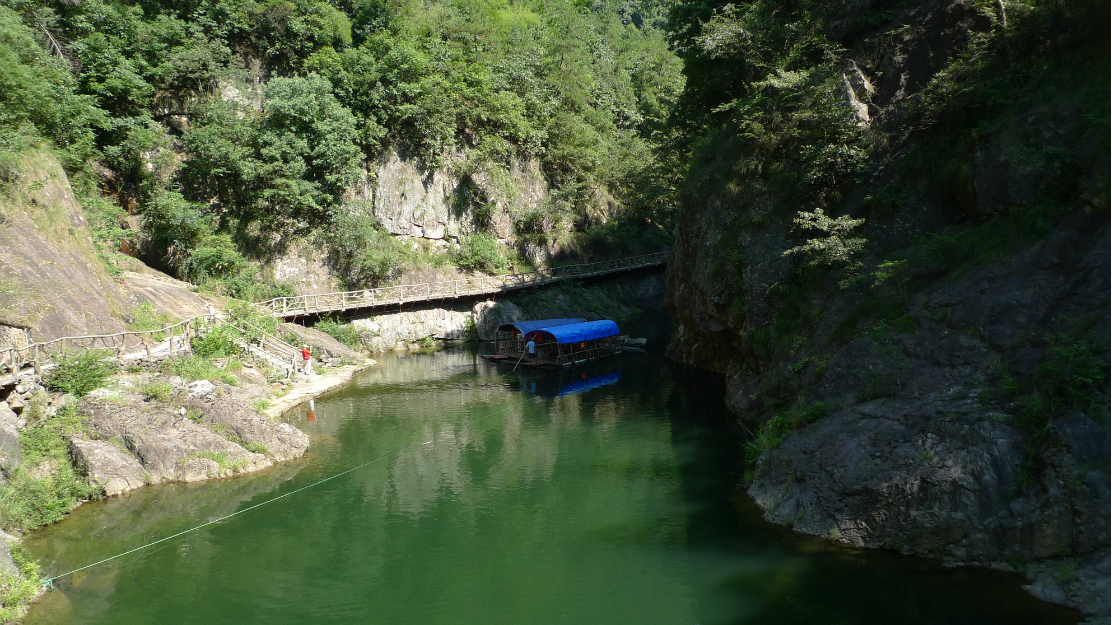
[48, 582]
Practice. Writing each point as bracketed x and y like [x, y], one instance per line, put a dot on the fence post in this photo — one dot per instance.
[36, 361]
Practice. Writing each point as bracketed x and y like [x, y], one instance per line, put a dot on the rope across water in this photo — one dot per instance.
[48, 583]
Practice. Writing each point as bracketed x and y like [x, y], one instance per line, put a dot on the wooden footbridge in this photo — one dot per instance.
[302, 305]
[175, 338]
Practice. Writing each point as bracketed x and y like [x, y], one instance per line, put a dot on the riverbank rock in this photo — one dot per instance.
[1079, 582]
[170, 446]
[9, 439]
[942, 479]
[115, 470]
[7, 564]
[277, 441]
[490, 314]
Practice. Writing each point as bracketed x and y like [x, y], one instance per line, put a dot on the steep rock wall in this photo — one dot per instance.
[444, 204]
[925, 357]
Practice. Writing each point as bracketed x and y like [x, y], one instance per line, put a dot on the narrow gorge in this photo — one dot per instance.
[879, 348]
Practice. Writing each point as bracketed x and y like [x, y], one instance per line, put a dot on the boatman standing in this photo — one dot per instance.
[531, 348]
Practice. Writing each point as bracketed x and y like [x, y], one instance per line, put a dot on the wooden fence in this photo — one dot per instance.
[176, 337]
[301, 305]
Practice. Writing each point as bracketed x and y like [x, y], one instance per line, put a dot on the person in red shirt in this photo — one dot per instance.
[307, 359]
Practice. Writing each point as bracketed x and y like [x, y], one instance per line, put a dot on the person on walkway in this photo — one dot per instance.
[211, 312]
[307, 360]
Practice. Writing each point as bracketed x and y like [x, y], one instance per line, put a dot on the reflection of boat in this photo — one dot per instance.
[582, 386]
[563, 382]
[559, 342]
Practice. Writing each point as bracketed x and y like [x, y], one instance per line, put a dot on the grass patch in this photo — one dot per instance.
[158, 391]
[79, 374]
[220, 342]
[772, 432]
[345, 333]
[221, 458]
[192, 368]
[144, 317]
[257, 448]
[260, 405]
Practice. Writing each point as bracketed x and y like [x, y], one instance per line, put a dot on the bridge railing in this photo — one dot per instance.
[37, 354]
[448, 289]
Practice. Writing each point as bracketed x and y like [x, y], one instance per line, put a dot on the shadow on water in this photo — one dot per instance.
[765, 573]
[607, 494]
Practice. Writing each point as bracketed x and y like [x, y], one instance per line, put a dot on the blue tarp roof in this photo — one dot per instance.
[576, 332]
[525, 327]
[583, 386]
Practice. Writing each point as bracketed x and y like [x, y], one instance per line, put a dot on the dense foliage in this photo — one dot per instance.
[231, 122]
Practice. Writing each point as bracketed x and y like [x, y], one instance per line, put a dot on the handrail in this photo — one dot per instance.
[378, 296]
[449, 289]
[279, 344]
[15, 356]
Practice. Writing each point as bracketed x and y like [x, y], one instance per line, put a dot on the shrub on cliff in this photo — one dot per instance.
[363, 252]
[480, 252]
[78, 374]
[345, 333]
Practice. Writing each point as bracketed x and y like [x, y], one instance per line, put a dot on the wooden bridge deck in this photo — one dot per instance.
[301, 305]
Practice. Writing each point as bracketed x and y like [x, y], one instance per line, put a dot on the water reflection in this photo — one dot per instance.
[606, 495]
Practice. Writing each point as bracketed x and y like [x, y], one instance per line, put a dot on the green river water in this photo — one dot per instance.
[604, 496]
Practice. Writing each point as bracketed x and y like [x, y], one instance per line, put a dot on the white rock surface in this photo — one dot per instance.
[200, 388]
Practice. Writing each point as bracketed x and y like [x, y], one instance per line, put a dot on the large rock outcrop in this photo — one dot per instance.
[442, 204]
[963, 353]
[207, 437]
[50, 278]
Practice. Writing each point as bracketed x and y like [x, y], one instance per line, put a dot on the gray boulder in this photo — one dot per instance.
[490, 314]
[114, 470]
[9, 439]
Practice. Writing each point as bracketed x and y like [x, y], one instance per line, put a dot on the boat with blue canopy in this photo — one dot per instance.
[510, 339]
[557, 342]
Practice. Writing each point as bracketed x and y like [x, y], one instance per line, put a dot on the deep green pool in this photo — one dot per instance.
[495, 501]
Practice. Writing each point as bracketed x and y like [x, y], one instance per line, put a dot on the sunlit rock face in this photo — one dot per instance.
[443, 203]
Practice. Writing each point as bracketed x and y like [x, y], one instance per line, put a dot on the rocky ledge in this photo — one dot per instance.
[203, 431]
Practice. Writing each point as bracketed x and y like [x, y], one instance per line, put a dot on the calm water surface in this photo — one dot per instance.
[497, 497]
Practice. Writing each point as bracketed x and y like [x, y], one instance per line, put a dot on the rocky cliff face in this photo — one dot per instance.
[949, 359]
[52, 282]
[445, 204]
